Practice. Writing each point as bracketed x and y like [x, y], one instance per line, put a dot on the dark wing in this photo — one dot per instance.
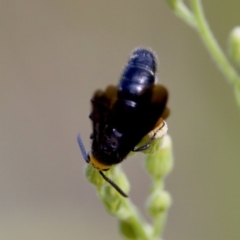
[102, 103]
[150, 113]
[158, 105]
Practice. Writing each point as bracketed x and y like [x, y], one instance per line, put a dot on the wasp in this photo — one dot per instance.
[122, 115]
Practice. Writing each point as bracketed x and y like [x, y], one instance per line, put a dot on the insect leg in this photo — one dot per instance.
[147, 145]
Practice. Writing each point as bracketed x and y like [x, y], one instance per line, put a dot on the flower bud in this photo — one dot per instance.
[234, 44]
[93, 175]
[110, 198]
[120, 179]
[158, 202]
[132, 230]
[160, 163]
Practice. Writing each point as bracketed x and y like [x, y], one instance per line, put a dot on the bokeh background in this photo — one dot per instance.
[53, 55]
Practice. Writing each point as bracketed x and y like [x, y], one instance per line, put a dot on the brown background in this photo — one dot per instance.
[53, 55]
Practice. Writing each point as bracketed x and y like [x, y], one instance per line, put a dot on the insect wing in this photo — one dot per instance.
[158, 103]
[102, 103]
[153, 110]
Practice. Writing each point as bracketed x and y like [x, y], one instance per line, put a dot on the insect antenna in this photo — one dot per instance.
[113, 184]
[82, 148]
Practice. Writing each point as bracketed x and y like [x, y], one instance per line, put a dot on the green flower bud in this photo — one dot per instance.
[160, 163]
[93, 176]
[121, 179]
[131, 229]
[111, 198]
[158, 202]
[234, 44]
[128, 230]
[123, 212]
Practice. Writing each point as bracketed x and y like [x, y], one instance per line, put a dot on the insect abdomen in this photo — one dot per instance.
[138, 75]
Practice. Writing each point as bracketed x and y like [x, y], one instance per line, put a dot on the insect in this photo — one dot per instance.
[122, 115]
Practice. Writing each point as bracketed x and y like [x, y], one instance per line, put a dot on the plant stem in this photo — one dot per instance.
[182, 11]
[135, 221]
[159, 223]
[212, 45]
[197, 20]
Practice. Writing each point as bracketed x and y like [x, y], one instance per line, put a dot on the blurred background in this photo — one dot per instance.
[53, 55]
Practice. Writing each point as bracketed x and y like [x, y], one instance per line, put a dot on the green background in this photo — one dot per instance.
[53, 55]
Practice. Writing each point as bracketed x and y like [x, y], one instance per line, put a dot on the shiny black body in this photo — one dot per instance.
[122, 115]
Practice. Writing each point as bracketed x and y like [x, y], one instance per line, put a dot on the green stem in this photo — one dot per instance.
[212, 44]
[197, 20]
[159, 223]
[136, 221]
[182, 11]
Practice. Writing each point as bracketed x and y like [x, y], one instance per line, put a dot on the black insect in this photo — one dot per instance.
[122, 115]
